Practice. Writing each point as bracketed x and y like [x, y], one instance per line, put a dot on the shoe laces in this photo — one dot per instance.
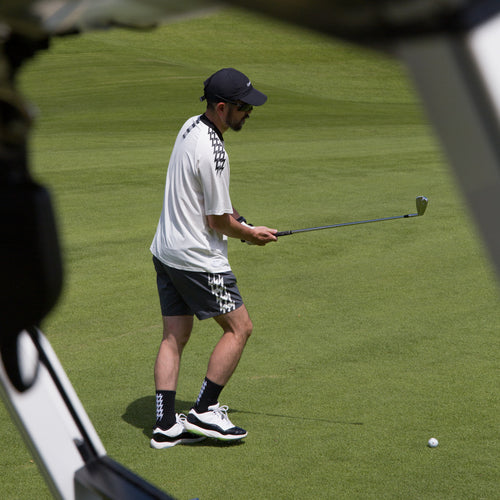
[221, 412]
[181, 418]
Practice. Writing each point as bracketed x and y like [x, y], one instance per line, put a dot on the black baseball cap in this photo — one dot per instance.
[231, 85]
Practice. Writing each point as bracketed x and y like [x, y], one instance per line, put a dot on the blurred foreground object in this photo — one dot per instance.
[42, 18]
[33, 384]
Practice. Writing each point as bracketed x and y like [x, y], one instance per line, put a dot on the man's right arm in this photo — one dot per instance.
[226, 224]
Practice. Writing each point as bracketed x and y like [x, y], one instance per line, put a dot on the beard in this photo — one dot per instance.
[235, 123]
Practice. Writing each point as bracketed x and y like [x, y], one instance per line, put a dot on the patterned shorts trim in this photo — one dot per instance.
[205, 295]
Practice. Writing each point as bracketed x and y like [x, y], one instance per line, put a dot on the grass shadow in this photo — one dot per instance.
[297, 417]
[141, 414]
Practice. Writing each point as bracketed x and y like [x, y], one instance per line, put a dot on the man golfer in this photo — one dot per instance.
[190, 257]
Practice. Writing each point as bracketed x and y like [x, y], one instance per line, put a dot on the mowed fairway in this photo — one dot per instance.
[368, 340]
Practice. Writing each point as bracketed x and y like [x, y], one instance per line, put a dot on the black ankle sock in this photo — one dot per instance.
[165, 409]
[209, 395]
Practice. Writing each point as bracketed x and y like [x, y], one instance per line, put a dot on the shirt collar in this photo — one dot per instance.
[210, 124]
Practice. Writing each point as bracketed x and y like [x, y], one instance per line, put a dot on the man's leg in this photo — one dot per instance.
[169, 428]
[207, 418]
[237, 328]
[176, 333]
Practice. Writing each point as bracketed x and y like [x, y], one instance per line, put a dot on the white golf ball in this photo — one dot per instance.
[432, 443]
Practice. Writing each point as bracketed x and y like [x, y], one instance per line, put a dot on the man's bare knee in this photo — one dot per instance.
[243, 327]
[242, 332]
[239, 325]
[248, 329]
[177, 329]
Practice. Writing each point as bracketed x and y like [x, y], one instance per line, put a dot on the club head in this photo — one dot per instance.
[422, 202]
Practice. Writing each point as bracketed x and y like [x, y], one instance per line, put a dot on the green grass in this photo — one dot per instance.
[368, 340]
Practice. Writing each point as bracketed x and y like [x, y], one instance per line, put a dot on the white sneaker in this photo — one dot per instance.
[176, 434]
[214, 423]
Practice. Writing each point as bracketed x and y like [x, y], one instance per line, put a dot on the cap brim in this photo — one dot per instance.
[255, 98]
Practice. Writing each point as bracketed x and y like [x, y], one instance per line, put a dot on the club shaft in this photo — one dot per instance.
[293, 231]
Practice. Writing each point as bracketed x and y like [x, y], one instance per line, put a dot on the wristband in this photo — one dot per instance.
[244, 223]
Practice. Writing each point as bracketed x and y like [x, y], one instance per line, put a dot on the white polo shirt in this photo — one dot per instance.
[197, 185]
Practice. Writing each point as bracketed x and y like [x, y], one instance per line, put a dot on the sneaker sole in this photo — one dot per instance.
[200, 431]
[161, 445]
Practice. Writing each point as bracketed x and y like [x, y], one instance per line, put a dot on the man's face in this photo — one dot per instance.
[235, 117]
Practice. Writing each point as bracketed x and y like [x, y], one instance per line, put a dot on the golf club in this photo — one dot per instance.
[421, 202]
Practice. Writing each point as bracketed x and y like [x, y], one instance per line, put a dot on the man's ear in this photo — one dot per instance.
[220, 107]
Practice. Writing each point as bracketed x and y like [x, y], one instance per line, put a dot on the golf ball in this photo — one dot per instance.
[432, 443]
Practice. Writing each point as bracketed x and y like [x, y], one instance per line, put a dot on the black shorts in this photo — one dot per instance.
[184, 293]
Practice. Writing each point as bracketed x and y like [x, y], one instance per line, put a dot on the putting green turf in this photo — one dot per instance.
[368, 340]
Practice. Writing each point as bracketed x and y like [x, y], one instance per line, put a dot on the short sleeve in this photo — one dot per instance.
[214, 176]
